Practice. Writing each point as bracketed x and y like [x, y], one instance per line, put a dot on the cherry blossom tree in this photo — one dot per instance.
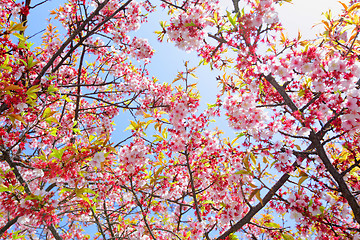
[291, 172]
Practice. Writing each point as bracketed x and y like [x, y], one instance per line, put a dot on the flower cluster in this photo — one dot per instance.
[187, 29]
[133, 156]
[243, 113]
[142, 48]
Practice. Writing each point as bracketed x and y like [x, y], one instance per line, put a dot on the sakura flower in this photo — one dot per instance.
[21, 106]
[271, 17]
[355, 70]
[349, 121]
[304, 131]
[296, 62]
[256, 21]
[98, 158]
[346, 84]
[187, 29]
[15, 11]
[356, 236]
[308, 67]
[134, 156]
[295, 215]
[265, 3]
[345, 211]
[18, 73]
[282, 71]
[343, 36]
[283, 157]
[39, 192]
[337, 65]
[38, 173]
[145, 237]
[351, 103]
[24, 219]
[315, 210]
[318, 85]
[142, 48]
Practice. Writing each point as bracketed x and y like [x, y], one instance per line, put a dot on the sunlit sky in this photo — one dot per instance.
[302, 14]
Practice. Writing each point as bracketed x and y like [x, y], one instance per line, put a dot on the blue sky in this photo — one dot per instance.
[168, 60]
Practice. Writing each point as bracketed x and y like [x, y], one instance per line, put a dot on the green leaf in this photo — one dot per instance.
[158, 138]
[133, 126]
[301, 180]
[47, 112]
[31, 63]
[208, 202]
[246, 162]
[232, 20]
[192, 24]
[22, 45]
[243, 172]
[51, 119]
[34, 89]
[66, 190]
[241, 134]
[163, 24]
[287, 236]
[57, 153]
[272, 225]
[211, 106]
[232, 236]
[52, 89]
[19, 36]
[253, 193]
[4, 188]
[91, 138]
[53, 132]
[6, 62]
[257, 195]
[12, 117]
[253, 158]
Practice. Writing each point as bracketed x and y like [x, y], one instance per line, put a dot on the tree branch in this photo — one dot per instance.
[8, 225]
[337, 176]
[193, 188]
[75, 33]
[282, 92]
[258, 207]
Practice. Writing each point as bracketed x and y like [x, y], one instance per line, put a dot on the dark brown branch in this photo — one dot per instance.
[258, 207]
[284, 178]
[78, 91]
[196, 205]
[142, 210]
[343, 187]
[220, 40]
[8, 225]
[282, 92]
[236, 5]
[16, 172]
[54, 232]
[107, 218]
[77, 32]
[173, 5]
[317, 95]
[38, 4]
[98, 223]
[26, 187]
[24, 16]
[352, 44]
[316, 143]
